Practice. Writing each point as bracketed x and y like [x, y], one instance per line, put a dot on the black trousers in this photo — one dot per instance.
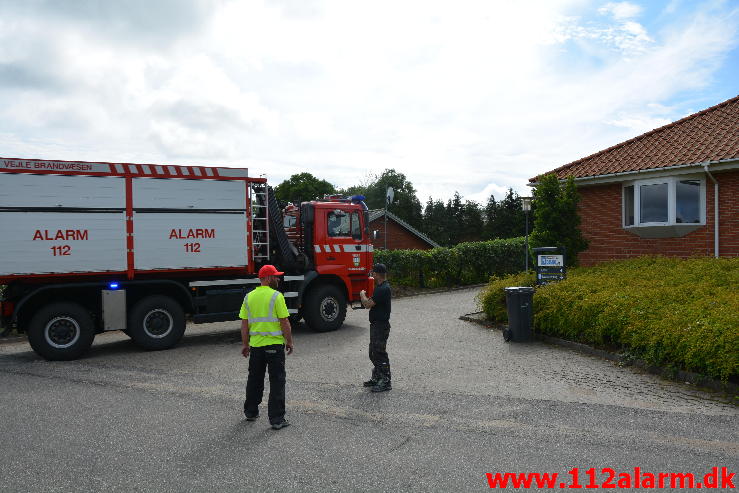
[379, 332]
[263, 358]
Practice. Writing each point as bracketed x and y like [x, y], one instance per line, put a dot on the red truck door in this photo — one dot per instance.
[343, 241]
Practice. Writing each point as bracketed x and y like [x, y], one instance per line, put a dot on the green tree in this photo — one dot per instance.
[303, 186]
[435, 221]
[556, 221]
[511, 220]
[405, 204]
[454, 219]
[471, 222]
[505, 218]
[490, 214]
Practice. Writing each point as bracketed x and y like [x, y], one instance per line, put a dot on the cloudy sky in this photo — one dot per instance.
[471, 95]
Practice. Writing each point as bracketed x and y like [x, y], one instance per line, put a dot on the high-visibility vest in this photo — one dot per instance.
[264, 326]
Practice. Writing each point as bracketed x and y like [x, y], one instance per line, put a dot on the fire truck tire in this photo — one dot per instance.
[156, 322]
[61, 331]
[325, 309]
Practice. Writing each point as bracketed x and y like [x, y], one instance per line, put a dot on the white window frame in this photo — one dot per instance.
[671, 182]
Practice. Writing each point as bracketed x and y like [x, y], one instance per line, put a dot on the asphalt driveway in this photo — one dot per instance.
[464, 403]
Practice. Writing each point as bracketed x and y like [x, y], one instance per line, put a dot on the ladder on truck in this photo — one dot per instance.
[260, 221]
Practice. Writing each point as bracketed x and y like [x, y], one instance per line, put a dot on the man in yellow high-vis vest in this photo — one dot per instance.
[266, 336]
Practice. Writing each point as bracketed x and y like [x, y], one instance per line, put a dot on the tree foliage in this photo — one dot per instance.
[405, 203]
[504, 218]
[454, 222]
[301, 187]
[435, 222]
[556, 221]
[448, 223]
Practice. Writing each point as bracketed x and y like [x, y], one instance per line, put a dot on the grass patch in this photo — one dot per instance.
[674, 313]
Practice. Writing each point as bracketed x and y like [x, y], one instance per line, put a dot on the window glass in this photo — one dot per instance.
[338, 223]
[629, 205]
[289, 221]
[687, 198]
[356, 227]
[653, 199]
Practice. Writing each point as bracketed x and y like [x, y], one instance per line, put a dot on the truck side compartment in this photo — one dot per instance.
[142, 248]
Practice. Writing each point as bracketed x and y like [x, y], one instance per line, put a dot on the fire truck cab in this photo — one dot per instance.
[333, 237]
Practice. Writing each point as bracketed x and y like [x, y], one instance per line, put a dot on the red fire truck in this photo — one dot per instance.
[90, 246]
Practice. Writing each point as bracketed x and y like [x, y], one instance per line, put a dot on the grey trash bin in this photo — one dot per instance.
[520, 304]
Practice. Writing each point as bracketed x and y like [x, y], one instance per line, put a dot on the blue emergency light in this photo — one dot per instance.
[113, 285]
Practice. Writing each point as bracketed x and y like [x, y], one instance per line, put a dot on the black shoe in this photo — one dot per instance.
[280, 424]
[251, 417]
[382, 386]
[370, 383]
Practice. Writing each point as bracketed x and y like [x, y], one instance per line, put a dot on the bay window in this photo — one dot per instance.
[663, 207]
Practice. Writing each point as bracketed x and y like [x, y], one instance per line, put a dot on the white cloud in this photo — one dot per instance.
[621, 10]
[628, 37]
[476, 97]
[493, 189]
[638, 124]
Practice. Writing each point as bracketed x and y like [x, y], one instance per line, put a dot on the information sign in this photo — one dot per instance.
[550, 265]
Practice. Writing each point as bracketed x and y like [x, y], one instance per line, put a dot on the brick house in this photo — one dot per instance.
[672, 191]
[400, 234]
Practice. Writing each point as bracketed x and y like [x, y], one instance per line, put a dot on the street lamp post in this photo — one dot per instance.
[389, 196]
[526, 206]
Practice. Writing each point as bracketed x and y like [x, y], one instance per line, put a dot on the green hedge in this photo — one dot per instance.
[492, 298]
[675, 313]
[465, 263]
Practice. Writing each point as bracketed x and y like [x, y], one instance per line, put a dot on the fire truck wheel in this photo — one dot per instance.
[156, 322]
[61, 331]
[325, 309]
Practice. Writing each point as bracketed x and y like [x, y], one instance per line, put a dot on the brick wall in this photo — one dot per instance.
[600, 212]
[398, 238]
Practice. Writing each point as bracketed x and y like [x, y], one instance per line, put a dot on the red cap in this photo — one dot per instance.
[268, 270]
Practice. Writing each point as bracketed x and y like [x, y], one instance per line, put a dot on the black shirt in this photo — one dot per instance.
[381, 311]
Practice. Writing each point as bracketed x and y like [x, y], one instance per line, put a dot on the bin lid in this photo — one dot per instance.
[520, 289]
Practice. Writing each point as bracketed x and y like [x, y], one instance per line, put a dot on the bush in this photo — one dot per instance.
[670, 312]
[465, 263]
[556, 221]
[492, 299]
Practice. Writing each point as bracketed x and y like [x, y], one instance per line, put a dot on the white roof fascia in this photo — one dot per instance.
[679, 169]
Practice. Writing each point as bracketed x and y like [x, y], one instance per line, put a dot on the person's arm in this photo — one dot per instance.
[282, 314]
[366, 302]
[245, 338]
[287, 333]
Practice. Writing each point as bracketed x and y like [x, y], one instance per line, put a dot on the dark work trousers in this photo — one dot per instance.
[263, 358]
[379, 332]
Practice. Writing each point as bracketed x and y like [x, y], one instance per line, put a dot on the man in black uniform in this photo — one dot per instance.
[379, 318]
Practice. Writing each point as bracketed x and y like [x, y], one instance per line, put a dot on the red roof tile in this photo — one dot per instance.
[709, 135]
